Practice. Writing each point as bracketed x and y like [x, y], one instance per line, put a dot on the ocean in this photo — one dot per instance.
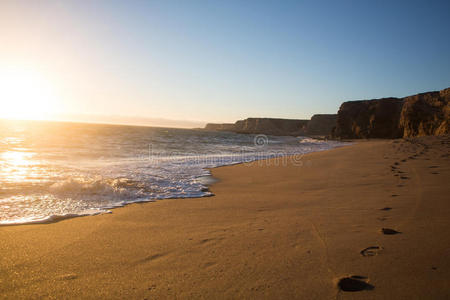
[54, 170]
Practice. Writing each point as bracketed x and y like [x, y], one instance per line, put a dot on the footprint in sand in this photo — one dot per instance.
[151, 257]
[209, 264]
[371, 251]
[68, 277]
[389, 231]
[354, 284]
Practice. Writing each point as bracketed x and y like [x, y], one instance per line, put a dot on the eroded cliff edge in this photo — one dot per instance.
[319, 125]
[417, 115]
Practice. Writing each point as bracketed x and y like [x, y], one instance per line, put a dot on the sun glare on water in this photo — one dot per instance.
[26, 94]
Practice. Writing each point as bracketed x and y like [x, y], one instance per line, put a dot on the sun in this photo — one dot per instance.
[26, 94]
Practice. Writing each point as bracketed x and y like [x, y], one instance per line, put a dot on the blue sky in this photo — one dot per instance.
[226, 60]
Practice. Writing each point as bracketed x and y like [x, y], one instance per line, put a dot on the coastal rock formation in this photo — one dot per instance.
[418, 115]
[271, 126]
[220, 127]
[426, 114]
[376, 118]
[321, 124]
[268, 126]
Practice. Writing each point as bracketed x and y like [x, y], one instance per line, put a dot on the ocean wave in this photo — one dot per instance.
[91, 169]
[117, 188]
[50, 219]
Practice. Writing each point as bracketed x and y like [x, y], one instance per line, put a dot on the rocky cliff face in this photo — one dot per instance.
[321, 124]
[377, 118]
[268, 126]
[222, 127]
[318, 125]
[426, 114]
[271, 126]
[422, 114]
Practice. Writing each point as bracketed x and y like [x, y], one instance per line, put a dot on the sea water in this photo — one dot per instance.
[53, 170]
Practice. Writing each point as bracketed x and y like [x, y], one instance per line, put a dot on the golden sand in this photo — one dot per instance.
[286, 231]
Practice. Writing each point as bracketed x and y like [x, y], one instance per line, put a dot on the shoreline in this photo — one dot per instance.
[211, 179]
[271, 231]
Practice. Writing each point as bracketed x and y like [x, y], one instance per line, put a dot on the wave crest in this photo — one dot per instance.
[119, 188]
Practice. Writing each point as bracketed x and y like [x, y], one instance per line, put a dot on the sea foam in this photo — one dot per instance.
[52, 171]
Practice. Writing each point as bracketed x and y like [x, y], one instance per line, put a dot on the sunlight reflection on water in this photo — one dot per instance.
[50, 169]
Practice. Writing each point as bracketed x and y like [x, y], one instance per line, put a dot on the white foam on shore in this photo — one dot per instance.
[112, 169]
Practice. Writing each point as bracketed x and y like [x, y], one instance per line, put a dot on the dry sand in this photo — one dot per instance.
[283, 232]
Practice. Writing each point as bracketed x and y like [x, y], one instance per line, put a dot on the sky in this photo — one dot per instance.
[192, 62]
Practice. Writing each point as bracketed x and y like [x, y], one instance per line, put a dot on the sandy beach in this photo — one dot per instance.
[274, 229]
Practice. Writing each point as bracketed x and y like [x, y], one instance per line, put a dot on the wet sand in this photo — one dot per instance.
[368, 221]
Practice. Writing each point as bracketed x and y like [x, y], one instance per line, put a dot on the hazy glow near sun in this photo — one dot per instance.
[25, 94]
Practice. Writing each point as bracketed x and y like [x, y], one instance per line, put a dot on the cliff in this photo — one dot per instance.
[376, 118]
[417, 115]
[422, 114]
[321, 124]
[222, 127]
[426, 114]
[269, 126]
